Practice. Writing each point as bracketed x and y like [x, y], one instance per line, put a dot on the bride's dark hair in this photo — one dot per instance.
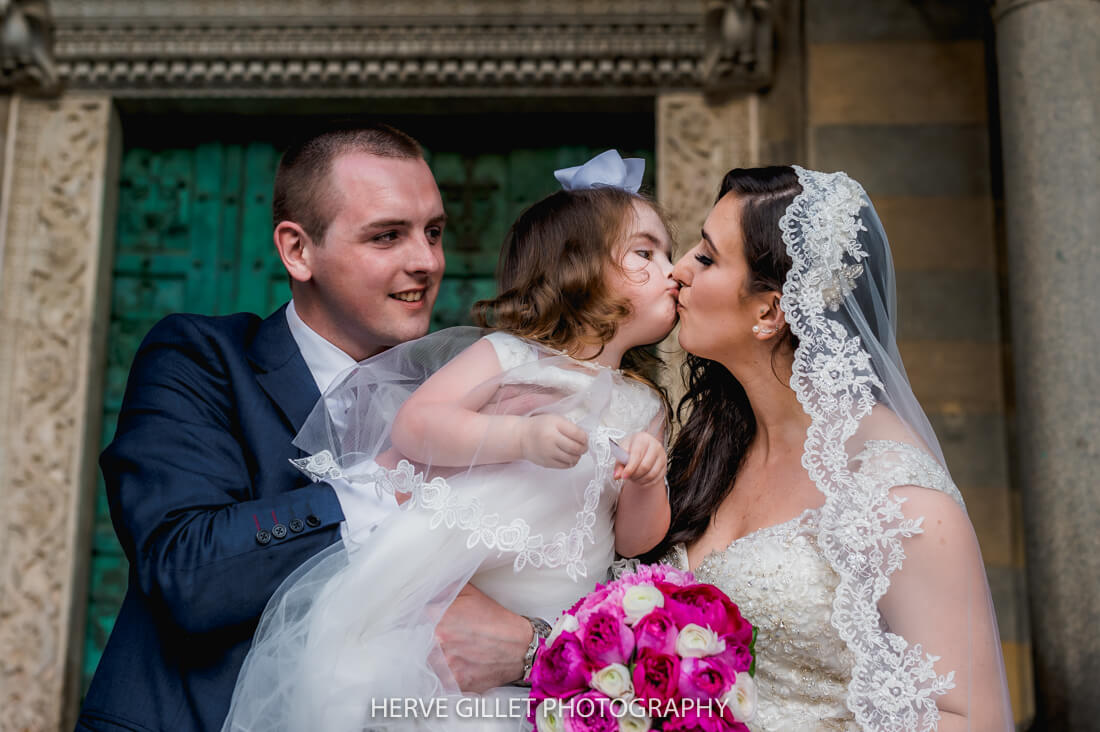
[708, 451]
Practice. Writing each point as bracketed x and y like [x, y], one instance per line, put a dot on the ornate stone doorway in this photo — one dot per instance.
[642, 64]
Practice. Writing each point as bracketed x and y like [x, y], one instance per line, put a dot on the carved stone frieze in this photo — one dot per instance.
[50, 258]
[342, 48]
[252, 11]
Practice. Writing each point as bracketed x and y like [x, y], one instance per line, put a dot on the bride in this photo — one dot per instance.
[807, 482]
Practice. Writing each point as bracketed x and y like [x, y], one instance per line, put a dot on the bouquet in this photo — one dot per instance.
[653, 650]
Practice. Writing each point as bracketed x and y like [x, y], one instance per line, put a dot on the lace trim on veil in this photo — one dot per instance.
[893, 684]
[452, 509]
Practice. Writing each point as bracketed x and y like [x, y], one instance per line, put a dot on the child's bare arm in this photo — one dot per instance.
[440, 423]
[643, 514]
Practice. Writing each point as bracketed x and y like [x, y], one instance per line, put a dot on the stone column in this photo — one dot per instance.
[55, 245]
[1048, 56]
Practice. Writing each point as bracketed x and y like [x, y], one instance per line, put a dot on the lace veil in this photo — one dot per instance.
[893, 525]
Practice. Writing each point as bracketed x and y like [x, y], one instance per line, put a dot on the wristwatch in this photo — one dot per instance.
[539, 629]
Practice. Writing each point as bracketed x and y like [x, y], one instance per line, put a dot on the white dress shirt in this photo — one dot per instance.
[362, 506]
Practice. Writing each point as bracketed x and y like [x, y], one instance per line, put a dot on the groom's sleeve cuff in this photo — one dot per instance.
[362, 506]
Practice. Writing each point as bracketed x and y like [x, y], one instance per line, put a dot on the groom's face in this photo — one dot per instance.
[377, 271]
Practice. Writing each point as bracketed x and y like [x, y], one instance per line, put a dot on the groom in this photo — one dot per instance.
[204, 500]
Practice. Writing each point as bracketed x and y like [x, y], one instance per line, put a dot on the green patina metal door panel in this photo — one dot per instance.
[259, 278]
[194, 235]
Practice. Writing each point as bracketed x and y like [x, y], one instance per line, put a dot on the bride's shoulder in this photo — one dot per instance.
[887, 453]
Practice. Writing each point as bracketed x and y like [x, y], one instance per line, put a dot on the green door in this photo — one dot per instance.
[194, 235]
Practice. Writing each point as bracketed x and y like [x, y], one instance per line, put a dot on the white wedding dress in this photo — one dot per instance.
[356, 624]
[785, 587]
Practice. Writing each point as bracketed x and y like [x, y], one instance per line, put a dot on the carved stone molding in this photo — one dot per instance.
[697, 143]
[738, 45]
[345, 48]
[26, 47]
[51, 264]
[275, 11]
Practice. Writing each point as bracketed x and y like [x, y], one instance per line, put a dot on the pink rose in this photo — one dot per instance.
[705, 678]
[656, 676]
[592, 598]
[653, 573]
[589, 712]
[708, 606]
[656, 632]
[609, 600]
[736, 657]
[667, 588]
[606, 639]
[560, 670]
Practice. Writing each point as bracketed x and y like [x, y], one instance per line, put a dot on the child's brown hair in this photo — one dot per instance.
[553, 276]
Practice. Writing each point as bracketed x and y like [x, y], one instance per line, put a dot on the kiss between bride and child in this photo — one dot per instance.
[459, 492]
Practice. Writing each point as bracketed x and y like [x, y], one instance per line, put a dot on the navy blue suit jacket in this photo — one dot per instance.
[209, 511]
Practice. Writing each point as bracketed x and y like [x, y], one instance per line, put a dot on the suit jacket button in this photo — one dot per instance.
[278, 531]
[263, 536]
[296, 525]
[312, 521]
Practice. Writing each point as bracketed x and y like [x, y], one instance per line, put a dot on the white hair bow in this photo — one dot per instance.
[608, 169]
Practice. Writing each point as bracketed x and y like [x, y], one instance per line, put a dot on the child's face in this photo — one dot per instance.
[646, 277]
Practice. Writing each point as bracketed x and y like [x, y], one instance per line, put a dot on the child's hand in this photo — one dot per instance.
[648, 462]
[552, 441]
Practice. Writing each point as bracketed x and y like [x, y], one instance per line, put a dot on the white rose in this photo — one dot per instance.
[741, 698]
[631, 723]
[565, 624]
[695, 641]
[638, 600]
[548, 717]
[613, 681]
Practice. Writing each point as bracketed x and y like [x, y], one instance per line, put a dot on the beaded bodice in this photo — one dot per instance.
[784, 587]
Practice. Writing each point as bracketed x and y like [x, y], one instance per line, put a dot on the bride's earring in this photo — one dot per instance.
[765, 331]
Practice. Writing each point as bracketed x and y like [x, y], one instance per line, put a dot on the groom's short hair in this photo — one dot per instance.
[302, 189]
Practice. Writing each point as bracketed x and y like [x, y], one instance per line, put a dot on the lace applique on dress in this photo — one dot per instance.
[899, 463]
[319, 467]
[630, 407]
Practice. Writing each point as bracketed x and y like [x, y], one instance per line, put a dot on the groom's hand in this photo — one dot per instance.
[484, 644]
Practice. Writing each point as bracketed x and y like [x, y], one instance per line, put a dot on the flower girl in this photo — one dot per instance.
[523, 460]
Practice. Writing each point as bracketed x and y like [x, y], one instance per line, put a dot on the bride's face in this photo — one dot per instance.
[716, 309]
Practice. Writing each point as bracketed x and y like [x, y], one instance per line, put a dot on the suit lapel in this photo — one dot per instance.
[281, 371]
